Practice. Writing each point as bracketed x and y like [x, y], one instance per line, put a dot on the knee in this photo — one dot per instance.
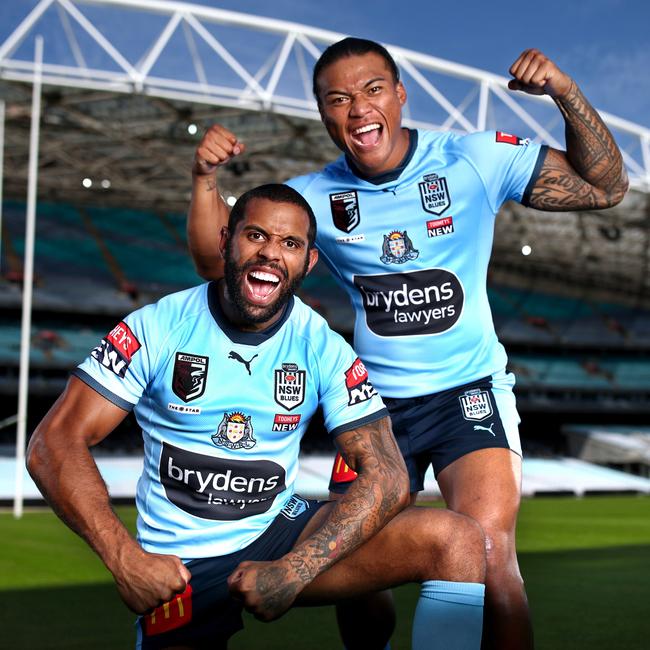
[501, 555]
[459, 551]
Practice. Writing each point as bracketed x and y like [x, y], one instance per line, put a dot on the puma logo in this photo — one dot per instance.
[236, 357]
[478, 426]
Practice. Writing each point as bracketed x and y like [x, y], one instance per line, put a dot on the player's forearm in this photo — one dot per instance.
[206, 217]
[68, 478]
[374, 498]
[591, 149]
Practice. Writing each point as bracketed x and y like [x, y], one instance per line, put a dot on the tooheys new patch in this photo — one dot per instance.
[116, 349]
[508, 138]
[358, 384]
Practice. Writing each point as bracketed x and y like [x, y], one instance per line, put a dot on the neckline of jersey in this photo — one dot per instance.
[391, 174]
[233, 333]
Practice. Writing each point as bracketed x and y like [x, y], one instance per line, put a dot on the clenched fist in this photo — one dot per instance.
[217, 147]
[534, 73]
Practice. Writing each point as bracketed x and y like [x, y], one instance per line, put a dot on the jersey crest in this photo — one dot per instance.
[345, 210]
[476, 405]
[190, 376]
[397, 248]
[235, 432]
[434, 194]
[290, 386]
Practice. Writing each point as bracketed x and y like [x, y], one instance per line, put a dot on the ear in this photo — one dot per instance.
[401, 93]
[313, 258]
[223, 241]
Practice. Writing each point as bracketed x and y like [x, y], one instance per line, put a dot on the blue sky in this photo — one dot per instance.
[603, 44]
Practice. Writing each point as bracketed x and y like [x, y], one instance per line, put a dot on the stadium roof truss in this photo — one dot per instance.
[124, 80]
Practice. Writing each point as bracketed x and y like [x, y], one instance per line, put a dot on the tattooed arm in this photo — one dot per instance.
[590, 174]
[380, 491]
[208, 213]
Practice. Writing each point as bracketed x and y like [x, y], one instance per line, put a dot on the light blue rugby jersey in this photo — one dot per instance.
[222, 413]
[412, 251]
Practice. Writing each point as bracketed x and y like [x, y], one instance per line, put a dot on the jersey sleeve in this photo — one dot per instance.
[347, 396]
[507, 164]
[120, 367]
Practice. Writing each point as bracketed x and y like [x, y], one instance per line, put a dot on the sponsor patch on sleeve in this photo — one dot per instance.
[117, 348]
[171, 615]
[508, 138]
[358, 384]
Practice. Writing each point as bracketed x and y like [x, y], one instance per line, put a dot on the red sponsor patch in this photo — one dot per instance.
[176, 613]
[355, 374]
[286, 419]
[507, 138]
[438, 223]
[341, 473]
[356, 381]
[284, 422]
[123, 341]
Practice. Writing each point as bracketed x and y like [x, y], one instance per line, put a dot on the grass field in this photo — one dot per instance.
[586, 563]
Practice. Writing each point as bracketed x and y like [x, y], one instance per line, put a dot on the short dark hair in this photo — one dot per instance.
[277, 193]
[352, 47]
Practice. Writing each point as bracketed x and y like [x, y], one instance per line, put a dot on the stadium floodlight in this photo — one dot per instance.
[192, 129]
[106, 183]
[231, 200]
[526, 250]
[87, 183]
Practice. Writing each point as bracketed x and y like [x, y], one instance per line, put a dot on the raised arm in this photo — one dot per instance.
[381, 491]
[59, 461]
[208, 212]
[590, 174]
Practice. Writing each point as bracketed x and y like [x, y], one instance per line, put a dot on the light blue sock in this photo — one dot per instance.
[449, 615]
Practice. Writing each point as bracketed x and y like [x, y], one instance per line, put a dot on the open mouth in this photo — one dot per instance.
[367, 135]
[261, 286]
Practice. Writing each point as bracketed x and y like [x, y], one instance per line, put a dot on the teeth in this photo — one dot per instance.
[365, 129]
[266, 277]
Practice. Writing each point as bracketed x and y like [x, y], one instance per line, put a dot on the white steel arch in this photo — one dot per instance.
[194, 53]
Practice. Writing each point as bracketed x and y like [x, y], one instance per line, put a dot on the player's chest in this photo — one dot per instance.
[432, 216]
[241, 395]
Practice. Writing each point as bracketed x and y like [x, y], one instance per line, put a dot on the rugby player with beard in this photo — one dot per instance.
[220, 527]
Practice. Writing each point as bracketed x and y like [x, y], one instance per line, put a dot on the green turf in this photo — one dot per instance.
[586, 563]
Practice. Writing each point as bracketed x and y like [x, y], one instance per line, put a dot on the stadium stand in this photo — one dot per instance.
[573, 355]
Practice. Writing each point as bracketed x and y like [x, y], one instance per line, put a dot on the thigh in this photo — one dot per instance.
[485, 485]
[417, 544]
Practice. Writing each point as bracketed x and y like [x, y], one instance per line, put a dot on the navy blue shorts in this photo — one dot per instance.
[438, 429]
[205, 615]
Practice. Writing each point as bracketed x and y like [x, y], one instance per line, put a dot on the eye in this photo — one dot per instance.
[254, 235]
[374, 90]
[339, 99]
[290, 243]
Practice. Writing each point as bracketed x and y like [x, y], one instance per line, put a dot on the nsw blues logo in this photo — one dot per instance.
[434, 194]
[476, 405]
[290, 386]
[235, 432]
[397, 248]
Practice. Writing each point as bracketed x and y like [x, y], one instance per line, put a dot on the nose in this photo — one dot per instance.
[270, 249]
[360, 105]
